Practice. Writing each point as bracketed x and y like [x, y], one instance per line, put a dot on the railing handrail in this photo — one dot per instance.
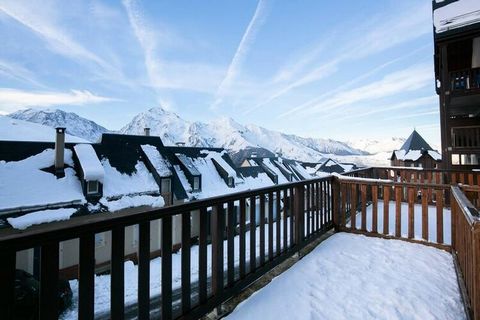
[77, 226]
[383, 182]
[459, 170]
[466, 206]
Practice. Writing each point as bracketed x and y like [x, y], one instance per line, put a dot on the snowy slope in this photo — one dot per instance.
[19, 130]
[76, 125]
[376, 146]
[229, 134]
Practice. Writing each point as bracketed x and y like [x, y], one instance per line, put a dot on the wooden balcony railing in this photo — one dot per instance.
[466, 247]
[291, 216]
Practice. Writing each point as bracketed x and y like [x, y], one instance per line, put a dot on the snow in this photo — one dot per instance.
[23, 184]
[217, 156]
[356, 277]
[38, 217]
[432, 221]
[183, 179]
[456, 15]
[272, 167]
[161, 165]
[19, 130]
[261, 181]
[414, 155]
[91, 166]
[302, 171]
[118, 184]
[133, 201]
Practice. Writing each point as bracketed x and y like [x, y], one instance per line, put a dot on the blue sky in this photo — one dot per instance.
[335, 69]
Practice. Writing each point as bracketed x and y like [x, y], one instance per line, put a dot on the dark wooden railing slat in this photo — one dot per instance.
[48, 281]
[411, 213]
[363, 189]
[439, 205]
[242, 242]
[117, 289]
[374, 209]
[386, 209]
[144, 270]
[167, 268]
[307, 213]
[86, 276]
[353, 210]
[186, 262]
[424, 214]
[286, 212]
[398, 211]
[317, 205]
[7, 280]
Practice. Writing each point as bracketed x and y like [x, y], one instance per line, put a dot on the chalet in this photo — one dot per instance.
[117, 173]
[416, 152]
[327, 166]
[457, 74]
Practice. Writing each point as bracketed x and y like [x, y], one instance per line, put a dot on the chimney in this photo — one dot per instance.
[147, 131]
[180, 144]
[253, 155]
[59, 151]
[278, 154]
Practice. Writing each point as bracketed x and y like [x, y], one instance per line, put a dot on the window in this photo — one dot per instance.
[196, 183]
[99, 239]
[455, 159]
[166, 186]
[135, 235]
[92, 187]
[230, 181]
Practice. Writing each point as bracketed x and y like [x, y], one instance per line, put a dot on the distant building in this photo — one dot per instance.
[457, 75]
[327, 166]
[416, 152]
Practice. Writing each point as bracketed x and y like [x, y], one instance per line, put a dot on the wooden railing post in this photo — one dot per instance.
[336, 204]
[7, 280]
[299, 210]
[475, 295]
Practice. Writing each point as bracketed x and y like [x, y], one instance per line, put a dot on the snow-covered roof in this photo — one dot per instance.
[161, 165]
[42, 216]
[24, 184]
[187, 162]
[268, 163]
[117, 184]
[455, 15]
[301, 170]
[91, 166]
[217, 156]
[414, 155]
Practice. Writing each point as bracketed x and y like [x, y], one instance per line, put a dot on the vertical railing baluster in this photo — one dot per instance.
[202, 256]
[329, 202]
[398, 210]
[7, 280]
[374, 209]
[218, 228]
[262, 229]
[317, 205]
[285, 218]
[270, 226]
[48, 305]
[411, 213]
[230, 244]
[299, 214]
[322, 204]
[167, 267]
[186, 262]
[386, 209]
[144, 270]
[253, 230]
[278, 224]
[439, 205]
[291, 204]
[363, 189]
[117, 279]
[242, 237]
[86, 276]
[353, 210]
[307, 211]
[343, 208]
[425, 214]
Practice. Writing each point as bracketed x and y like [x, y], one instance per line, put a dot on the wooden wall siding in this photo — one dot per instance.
[291, 216]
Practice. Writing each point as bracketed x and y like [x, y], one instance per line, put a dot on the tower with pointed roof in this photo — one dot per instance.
[416, 152]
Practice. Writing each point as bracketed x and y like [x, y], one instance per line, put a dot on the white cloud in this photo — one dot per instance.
[13, 99]
[242, 50]
[15, 71]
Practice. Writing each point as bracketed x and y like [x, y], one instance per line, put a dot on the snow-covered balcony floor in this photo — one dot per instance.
[357, 277]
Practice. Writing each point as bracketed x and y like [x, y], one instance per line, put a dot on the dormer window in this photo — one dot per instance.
[230, 182]
[92, 187]
[196, 183]
[166, 185]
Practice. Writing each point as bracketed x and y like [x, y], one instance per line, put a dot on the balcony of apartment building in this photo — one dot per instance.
[235, 248]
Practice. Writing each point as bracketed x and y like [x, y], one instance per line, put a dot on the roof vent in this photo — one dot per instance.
[180, 144]
[146, 131]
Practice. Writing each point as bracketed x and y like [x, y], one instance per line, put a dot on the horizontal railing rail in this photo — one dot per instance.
[245, 235]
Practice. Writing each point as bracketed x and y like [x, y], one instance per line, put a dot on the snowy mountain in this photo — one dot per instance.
[377, 146]
[229, 134]
[76, 125]
[19, 130]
